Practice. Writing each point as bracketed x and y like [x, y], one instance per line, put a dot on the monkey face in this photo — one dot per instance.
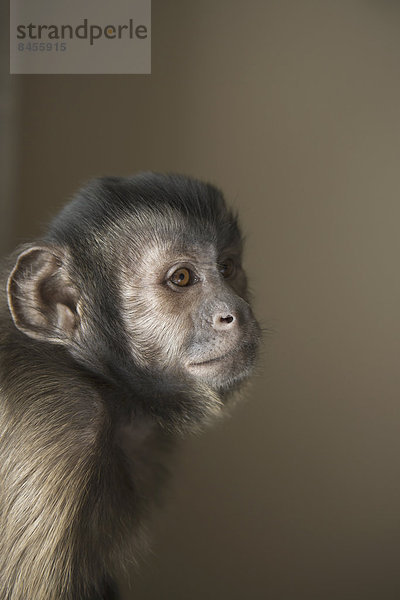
[188, 310]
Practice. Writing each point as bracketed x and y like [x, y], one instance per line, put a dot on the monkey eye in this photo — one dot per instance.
[227, 268]
[182, 277]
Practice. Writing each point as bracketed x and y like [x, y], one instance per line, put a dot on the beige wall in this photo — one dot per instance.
[293, 108]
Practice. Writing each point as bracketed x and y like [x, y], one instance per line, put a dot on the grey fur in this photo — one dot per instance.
[103, 362]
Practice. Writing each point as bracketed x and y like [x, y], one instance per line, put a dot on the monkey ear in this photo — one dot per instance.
[41, 298]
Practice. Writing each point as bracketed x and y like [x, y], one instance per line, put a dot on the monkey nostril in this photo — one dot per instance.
[227, 319]
[223, 321]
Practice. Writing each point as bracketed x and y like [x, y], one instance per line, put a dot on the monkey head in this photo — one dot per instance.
[140, 280]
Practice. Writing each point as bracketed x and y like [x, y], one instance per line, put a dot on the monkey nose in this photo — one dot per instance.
[224, 321]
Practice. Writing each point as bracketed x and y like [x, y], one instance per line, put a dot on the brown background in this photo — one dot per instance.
[293, 108]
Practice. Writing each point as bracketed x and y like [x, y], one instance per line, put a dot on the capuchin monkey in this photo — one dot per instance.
[125, 326]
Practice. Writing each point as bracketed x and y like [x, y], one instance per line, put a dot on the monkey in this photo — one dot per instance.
[125, 326]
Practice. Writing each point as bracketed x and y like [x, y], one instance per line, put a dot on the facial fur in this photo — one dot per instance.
[204, 331]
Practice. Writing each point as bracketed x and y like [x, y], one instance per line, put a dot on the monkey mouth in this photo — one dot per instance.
[209, 361]
[227, 370]
[239, 356]
[223, 372]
